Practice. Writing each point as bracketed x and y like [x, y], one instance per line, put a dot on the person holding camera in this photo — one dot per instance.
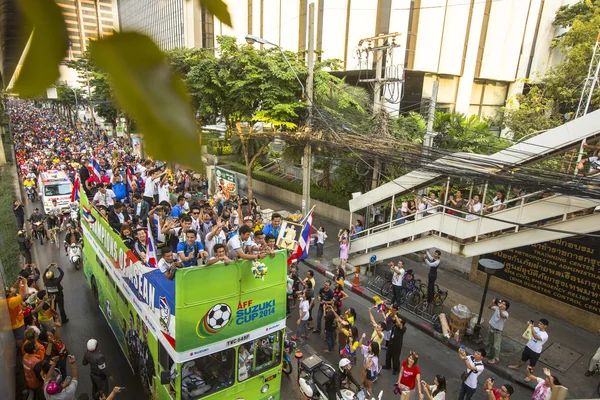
[533, 348]
[494, 339]
[493, 393]
[394, 345]
[474, 370]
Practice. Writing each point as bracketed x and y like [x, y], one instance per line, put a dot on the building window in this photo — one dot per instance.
[208, 28]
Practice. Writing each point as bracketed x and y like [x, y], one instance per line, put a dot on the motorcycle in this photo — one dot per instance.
[73, 216]
[38, 231]
[30, 193]
[75, 255]
[288, 346]
[313, 376]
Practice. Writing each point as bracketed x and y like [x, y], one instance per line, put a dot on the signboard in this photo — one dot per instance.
[225, 180]
[289, 235]
[567, 270]
[136, 144]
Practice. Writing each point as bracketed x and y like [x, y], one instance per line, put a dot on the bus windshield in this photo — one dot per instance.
[57, 189]
[257, 356]
[207, 375]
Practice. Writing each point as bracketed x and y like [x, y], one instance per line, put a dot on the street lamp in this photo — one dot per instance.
[251, 39]
[490, 267]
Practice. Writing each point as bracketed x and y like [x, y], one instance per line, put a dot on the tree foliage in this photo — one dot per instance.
[558, 91]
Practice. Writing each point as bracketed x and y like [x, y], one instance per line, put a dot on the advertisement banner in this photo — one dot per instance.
[225, 181]
[149, 292]
[234, 303]
[567, 270]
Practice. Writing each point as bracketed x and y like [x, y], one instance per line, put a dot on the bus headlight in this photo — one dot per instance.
[265, 388]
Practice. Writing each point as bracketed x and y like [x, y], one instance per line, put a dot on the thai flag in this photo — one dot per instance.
[129, 178]
[111, 144]
[75, 191]
[302, 252]
[87, 215]
[94, 168]
[150, 248]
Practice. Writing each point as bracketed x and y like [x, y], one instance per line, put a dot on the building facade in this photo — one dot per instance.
[479, 51]
[87, 20]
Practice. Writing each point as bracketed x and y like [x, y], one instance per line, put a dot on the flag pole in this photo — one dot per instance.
[305, 217]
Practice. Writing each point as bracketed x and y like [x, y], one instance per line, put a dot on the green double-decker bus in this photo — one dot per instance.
[212, 332]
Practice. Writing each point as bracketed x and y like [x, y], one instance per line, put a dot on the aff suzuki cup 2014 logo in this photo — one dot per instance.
[215, 320]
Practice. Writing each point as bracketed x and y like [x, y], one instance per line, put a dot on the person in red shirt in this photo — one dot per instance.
[410, 374]
[493, 393]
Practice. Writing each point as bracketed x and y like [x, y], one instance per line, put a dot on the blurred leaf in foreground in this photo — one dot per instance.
[48, 46]
[218, 8]
[151, 93]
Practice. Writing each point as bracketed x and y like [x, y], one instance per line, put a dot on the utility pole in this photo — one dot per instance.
[430, 134]
[310, 62]
[378, 83]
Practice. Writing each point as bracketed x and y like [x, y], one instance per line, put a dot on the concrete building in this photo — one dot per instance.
[87, 20]
[478, 50]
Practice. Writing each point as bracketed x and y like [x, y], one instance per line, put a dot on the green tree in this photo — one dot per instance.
[557, 92]
[244, 85]
[469, 134]
[100, 92]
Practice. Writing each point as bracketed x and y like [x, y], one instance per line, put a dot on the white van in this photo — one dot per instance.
[55, 185]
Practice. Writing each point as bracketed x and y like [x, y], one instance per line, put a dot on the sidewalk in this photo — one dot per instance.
[566, 353]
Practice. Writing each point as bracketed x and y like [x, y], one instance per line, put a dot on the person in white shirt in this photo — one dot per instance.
[236, 247]
[214, 237]
[497, 321]
[167, 264]
[149, 182]
[304, 314]
[163, 189]
[397, 295]
[321, 236]
[497, 202]
[533, 348]
[473, 207]
[433, 261]
[432, 204]
[104, 197]
[474, 370]
[437, 391]
[220, 255]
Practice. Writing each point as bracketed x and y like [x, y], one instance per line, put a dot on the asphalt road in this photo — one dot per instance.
[85, 320]
[434, 357]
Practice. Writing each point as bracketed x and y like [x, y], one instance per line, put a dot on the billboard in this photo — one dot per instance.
[567, 270]
[225, 180]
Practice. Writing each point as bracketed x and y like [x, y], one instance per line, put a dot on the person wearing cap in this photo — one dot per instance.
[57, 388]
[54, 288]
[99, 372]
[493, 393]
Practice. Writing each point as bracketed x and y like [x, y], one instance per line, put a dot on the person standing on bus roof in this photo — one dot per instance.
[99, 372]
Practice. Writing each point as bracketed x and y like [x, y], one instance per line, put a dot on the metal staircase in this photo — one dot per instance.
[558, 215]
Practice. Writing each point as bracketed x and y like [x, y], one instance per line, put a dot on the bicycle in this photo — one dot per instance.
[419, 298]
[410, 283]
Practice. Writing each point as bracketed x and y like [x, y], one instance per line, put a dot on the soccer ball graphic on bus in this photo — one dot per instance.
[217, 318]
